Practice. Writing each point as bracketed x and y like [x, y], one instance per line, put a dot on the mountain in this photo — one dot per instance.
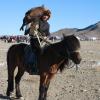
[85, 33]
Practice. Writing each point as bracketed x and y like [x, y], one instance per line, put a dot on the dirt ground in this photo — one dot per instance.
[83, 84]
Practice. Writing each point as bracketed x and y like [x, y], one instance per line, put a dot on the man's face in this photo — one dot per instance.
[45, 17]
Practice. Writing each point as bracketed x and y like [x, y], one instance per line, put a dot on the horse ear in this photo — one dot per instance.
[74, 34]
[63, 35]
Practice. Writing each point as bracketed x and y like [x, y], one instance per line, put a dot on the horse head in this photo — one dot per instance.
[72, 46]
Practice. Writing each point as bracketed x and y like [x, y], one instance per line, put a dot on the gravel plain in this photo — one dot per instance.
[83, 84]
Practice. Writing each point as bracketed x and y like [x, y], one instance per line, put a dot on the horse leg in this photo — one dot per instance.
[10, 87]
[46, 89]
[44, 85]
[50, 76]
[17, 83]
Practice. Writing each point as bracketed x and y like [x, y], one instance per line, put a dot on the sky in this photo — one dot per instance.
[65, 14]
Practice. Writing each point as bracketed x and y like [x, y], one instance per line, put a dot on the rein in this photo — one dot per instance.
[69, 56]
[38, 34]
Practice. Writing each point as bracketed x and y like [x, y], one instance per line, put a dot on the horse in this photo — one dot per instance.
[52, 59]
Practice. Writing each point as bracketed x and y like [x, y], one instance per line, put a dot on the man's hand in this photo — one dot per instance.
[36, 26]
[45, 37]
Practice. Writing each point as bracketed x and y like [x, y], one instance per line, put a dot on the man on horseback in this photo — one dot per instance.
[41, 28]
[36, 28]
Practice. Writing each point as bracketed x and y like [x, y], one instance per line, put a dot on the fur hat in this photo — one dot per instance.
[47, 13]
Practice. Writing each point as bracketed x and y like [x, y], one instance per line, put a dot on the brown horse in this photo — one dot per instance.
[53, 58]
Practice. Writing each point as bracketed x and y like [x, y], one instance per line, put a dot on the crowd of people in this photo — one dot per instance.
[14, 39]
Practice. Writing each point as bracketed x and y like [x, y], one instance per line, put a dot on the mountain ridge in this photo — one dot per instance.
[84, 33]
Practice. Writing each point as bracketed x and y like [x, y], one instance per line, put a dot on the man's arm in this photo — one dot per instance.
[34, 26]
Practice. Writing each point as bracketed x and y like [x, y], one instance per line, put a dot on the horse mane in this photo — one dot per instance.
[63, 65]
[71, 40]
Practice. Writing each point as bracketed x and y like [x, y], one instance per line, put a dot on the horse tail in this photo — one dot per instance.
[10, 68]
[10, 62]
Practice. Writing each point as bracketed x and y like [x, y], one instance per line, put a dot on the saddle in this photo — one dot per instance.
[30, 60]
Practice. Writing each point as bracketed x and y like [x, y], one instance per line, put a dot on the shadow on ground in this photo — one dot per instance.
[4, 97]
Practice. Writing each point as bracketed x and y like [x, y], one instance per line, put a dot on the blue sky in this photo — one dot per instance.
[65, 14]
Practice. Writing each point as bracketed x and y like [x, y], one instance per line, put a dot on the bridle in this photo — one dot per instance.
[69, 53]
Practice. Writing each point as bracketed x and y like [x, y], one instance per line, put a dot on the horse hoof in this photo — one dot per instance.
[11, 95]
[21, 98]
